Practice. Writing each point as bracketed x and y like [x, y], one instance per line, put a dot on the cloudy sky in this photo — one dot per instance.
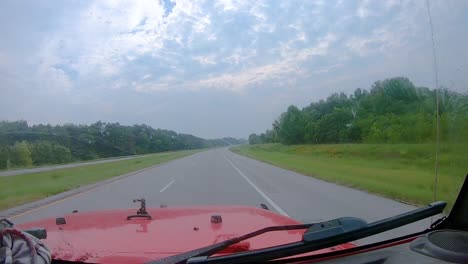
[213, 69]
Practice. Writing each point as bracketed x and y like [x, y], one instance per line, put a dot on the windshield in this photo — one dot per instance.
[309, 110]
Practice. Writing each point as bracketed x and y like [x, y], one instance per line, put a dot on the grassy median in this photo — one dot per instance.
[24, 188]
[399, 171]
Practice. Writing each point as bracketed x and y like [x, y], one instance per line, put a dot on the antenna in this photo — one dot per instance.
[436, 79]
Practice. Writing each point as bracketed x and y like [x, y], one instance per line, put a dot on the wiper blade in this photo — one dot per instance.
[212, 249]
[306, 245]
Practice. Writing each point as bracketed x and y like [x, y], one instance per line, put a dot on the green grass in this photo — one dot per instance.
[59, 164]
[24, 188]
[403, 172]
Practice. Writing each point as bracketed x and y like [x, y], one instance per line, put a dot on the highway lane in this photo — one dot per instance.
[64, 166]
[220, 177]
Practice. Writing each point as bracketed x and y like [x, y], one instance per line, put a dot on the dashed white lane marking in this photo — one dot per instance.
[167, 186]
[270, 201]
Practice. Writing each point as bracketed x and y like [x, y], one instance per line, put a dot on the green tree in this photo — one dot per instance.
[62, 143]
[392, 111]
[46, 152]
[334, 127]
[254, 139]
[20, 155]
[4, 158]
[291, 128]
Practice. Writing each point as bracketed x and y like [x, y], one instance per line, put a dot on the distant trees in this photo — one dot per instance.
[292, 125]
[19, 154]
[255, 139]
[269, 136]
[393, 110]
[22, 145]
[47, 152]
[16, 155]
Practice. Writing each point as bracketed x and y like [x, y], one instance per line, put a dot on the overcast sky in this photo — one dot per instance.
[214, 69]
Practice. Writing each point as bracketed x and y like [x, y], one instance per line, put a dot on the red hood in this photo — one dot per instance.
[107, 237]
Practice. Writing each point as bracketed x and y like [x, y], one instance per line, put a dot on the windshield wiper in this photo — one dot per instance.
[212, 249]
[318, 236]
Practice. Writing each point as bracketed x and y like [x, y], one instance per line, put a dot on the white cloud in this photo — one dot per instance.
[240, 55]
[231, 5]
[288, 67]
[163, 84]
[243, 79]
[52, 79]
[391, 3]
[206, 60]
[119, 84]
[289, 52]
[150, 87]
[263, 21]
[363, 10]
[385, 38]
[106, 34]
[301, 36]
[110, 34]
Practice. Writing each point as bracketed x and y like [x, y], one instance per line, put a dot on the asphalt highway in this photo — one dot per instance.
[220, 177]
[56, 167]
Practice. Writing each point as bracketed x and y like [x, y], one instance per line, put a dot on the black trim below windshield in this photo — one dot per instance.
[349, 251]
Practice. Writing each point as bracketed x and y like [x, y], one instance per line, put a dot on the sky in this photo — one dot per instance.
[214, 68]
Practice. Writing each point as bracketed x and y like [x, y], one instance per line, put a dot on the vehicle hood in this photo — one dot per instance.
[108, 237]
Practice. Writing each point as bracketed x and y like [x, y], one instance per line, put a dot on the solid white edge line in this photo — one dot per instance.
[270, 201]
[167, 186]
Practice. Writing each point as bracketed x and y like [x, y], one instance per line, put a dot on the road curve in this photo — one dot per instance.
[220, 177]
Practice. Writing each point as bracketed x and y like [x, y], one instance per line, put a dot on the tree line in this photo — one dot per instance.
[24, 145]
[391, 111]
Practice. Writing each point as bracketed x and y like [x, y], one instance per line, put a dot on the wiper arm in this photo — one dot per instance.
[309, 243]
[212, 249]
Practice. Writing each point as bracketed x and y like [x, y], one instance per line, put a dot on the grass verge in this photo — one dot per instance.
[24, 188]
[403, 172]
[71, 162]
